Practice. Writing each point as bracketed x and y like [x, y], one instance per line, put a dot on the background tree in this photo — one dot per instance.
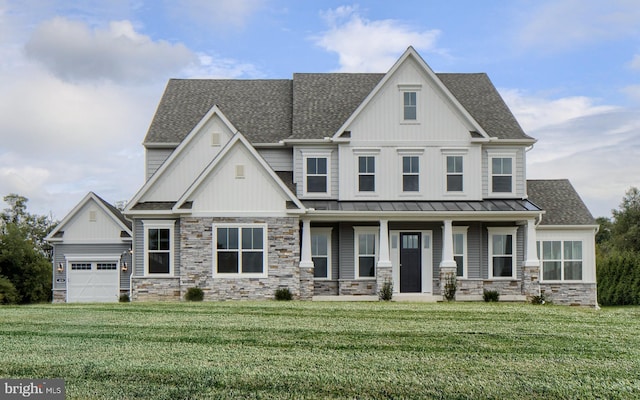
[25, 266]
[625, 231]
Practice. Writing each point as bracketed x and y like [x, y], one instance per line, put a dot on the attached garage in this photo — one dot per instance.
[92, 281]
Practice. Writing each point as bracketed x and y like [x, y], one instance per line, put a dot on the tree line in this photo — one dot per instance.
[618, 253]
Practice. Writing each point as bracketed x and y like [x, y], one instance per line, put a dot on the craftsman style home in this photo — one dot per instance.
[331, 185]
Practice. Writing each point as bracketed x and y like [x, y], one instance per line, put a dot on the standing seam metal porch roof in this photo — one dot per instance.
[309, 106]
[494, 205]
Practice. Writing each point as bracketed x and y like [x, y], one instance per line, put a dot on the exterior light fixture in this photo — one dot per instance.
[60, 267]
[125, 267]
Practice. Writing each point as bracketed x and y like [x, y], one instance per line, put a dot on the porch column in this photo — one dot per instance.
[448, 264]
[306, 262]
[531, 267]
[383, 268]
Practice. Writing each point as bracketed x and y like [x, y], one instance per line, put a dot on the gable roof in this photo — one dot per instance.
[309, 106]
[115, 214]
[560, 201]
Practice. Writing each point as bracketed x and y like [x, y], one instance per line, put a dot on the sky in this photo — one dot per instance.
[80, 80]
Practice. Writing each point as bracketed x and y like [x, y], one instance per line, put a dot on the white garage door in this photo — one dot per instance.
[92, 282]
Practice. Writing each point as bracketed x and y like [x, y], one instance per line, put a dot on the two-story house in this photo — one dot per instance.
[331, 184]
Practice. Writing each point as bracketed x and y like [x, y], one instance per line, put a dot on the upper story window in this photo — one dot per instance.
[502, 174]
[502, 252]
[316, 175]
[561, 260]
[454, 173]
[410, 106]
[240, 250]
[410, 173]
[366, 174]
[158, 255]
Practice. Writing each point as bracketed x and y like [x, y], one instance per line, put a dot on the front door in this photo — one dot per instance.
[410, 262]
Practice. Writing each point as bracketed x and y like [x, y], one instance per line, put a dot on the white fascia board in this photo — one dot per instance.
[490, 216]
[169, 161]
[568, 227]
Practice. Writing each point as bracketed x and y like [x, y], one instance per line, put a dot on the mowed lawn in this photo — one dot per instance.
[297, 350]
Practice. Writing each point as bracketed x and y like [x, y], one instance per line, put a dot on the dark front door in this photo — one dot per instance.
[410, 263]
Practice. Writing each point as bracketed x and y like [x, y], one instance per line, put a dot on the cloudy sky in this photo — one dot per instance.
[80, 80]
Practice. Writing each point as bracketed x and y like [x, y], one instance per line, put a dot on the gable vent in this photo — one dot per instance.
[215, 139]
[93, 216]
[240, 171]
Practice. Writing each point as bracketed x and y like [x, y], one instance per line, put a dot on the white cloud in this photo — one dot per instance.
[563, 24]
[215, 15]
[370, 46]
[74, 52]
[635, 62]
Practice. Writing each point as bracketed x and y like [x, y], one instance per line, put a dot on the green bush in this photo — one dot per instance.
[540, 299]
[283, 294]
[194, 294]
[490, 295]
[8, 293]
[618, 276]
[450, 286]
[386, 292]
[124, 298]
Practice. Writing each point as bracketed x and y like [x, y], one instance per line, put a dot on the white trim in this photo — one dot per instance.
[358, 230]
[501, 153]
[514, 247]
[562, 260]
[327, 232]
[366, 153]
[158, 224]
[316, 154]
[426, 260]
[462, 230]
[403, 174]
[410, 88]
[239, 274]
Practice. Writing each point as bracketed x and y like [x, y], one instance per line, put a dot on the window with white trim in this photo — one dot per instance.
[502, 174]
[410, 106]
[561, 260]
[410, 173]
[366, 173]
[502, 252]
[158, 247]
[366, 252]
[454, 173]
[460, 250]
[316, 175]
[321, 252]
[240, 250]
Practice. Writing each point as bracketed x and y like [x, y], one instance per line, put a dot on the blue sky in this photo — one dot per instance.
[80, 80]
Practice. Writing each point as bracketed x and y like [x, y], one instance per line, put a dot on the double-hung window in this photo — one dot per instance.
[460, 250]
[366, 253]
[366, 174]
[316, 175]
[561, 260]
[502, 175]
[158, 247]
[502, 252]
[454, 174]
[321, 252]
[410, 173]
[240, 250]
[410, 106]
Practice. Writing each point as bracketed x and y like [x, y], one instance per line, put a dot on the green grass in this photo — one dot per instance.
[298, 350]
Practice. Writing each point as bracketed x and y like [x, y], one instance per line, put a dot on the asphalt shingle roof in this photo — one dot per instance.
[310, 106]
[561, 202]
[117, 213]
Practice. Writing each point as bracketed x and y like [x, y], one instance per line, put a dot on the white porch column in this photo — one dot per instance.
[305, 254]
[447, 245]
[384, 260]
[532, 253]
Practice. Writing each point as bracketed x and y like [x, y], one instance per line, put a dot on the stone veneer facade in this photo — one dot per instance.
[571, 294]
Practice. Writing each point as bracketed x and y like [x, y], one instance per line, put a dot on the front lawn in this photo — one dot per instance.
[295, 350]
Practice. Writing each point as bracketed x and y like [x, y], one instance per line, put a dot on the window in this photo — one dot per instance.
[240, 249]
[321, 252]
[460, 250]
[106, 266]
[158, 250]
[561, 260]
[366, 173]
[81, 266]
[502, 175]
[410, 106]
[410, 174]
[316, 175]
[502, 252]
[366, 252]
[454, 174]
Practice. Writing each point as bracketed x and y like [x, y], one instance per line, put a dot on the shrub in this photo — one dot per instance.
[8, 293]
[540, 299]
[194, 294]
[386, 293]
[490, 295]
[618, 277]
[450, 286]
[283, 294]
[124, 298]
